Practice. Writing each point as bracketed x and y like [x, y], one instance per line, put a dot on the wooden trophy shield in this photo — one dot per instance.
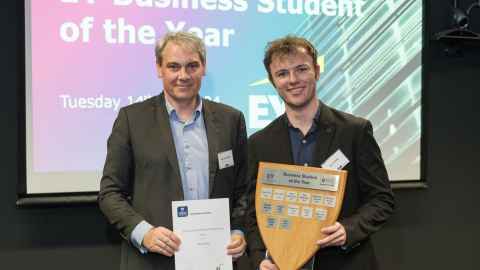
[293, 203]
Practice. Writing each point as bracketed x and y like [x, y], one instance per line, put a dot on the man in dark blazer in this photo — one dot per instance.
[307, 134]
[168, 148]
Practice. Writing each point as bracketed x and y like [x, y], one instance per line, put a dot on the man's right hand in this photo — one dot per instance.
[267, 265]
[162, 241]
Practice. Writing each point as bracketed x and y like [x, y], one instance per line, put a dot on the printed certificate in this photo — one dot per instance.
[204, 229]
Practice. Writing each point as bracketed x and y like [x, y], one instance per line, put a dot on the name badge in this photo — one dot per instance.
[337, 161]
[225, 159]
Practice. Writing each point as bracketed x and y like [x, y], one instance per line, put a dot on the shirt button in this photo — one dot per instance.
[304, 141]
[306, 164]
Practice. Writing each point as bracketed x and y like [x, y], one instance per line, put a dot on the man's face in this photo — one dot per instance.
[181, 72]
[295, 76]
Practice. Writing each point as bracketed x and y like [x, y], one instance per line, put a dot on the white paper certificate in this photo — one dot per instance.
[204, 228]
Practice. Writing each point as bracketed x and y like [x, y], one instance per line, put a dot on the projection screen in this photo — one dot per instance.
[86, 59]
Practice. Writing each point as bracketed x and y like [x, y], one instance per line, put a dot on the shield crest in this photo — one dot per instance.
[293, 203]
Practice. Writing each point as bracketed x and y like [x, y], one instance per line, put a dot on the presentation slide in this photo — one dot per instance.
[86, 59]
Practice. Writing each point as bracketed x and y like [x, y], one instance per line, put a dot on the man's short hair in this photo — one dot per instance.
[183, 39]
[286, 46]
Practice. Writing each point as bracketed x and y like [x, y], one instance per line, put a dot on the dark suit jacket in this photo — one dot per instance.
[141, 176]
[368, 200]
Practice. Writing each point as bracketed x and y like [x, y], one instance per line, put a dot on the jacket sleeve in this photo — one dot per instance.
[239, 190]
[116, 184]
[377, 201]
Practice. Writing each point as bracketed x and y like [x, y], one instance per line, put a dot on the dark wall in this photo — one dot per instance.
[434, 228]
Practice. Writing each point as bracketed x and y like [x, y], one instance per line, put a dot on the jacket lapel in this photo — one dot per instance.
[213, 133]
[325, 135]
[282, 153]
[164, 134]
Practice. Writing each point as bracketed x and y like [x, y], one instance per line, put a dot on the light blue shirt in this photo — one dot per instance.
[190, 139]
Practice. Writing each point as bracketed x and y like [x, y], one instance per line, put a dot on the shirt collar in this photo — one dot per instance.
[316, 118]
[198, 110]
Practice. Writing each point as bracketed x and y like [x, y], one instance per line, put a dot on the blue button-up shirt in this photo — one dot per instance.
[190, 139]
[303, 146]
[191, 145]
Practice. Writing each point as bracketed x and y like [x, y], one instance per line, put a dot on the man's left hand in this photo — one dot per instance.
[335, 236]
[237, 246]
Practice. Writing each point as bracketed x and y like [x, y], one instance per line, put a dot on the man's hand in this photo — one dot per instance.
[162, 241]
[237, 246]
[267, 265]
[335, 236]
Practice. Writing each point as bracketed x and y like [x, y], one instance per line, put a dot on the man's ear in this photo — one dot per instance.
[159, 69]
[317, 72]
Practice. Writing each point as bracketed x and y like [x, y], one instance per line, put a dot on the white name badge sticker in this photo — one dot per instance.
[337, 161]
[225, 159]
